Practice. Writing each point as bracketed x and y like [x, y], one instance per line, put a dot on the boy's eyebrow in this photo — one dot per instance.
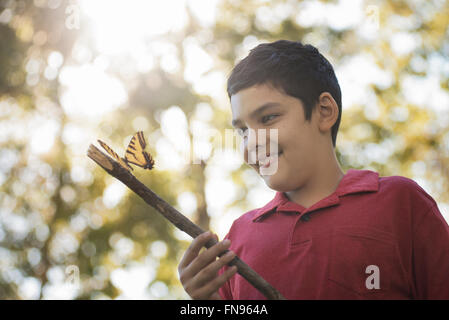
[258, 111]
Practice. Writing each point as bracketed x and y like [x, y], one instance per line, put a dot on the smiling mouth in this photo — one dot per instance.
[265, 163]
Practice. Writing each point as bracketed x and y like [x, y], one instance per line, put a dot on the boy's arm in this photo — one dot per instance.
[431, 255]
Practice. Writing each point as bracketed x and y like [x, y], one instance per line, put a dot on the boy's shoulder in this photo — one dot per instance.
[405, 188]
[399, 181]
[248, 216]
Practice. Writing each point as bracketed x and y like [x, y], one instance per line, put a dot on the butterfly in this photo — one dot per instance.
[135, 153]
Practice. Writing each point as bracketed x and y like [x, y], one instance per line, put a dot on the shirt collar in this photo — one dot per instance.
[354, 181]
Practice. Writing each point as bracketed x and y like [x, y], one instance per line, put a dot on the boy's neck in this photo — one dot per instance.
[325, 181]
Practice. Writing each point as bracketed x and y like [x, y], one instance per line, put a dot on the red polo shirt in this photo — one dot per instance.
[373, 238]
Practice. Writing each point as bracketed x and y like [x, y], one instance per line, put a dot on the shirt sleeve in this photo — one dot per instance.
[431, 255]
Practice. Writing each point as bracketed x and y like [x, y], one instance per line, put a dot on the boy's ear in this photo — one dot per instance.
[327, 110]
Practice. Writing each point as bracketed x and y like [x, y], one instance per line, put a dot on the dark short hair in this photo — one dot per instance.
[298, 70]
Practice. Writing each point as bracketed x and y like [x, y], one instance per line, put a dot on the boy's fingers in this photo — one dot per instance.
[194, 248]
[215, 296]
[210, 272]
[206, 258]
[213, 286]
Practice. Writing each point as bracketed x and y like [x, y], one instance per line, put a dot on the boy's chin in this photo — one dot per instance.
[276, 183]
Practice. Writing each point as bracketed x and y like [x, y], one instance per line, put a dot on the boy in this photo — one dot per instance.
[326, 234]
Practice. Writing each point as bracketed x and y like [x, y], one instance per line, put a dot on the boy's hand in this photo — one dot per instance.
[199, 272]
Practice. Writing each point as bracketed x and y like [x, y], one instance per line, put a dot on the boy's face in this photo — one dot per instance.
[265, 107]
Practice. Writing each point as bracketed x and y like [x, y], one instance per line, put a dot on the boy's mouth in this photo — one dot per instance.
[265, 163]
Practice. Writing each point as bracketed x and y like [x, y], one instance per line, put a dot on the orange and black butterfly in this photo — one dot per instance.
[135, 153]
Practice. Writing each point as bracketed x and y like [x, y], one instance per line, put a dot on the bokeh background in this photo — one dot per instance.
[75, 71]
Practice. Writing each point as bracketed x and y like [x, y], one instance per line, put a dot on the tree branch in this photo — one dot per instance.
[177, 218]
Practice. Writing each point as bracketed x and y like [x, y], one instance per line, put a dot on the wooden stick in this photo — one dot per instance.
[178, 219]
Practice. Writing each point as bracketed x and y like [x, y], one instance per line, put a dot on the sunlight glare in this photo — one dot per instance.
[44, 134]
[120, 26]
[90, 91]
[113, 194]
[176, 140]
[134, 279]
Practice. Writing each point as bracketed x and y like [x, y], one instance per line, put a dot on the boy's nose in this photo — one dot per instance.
[259, 143]
[255, 144]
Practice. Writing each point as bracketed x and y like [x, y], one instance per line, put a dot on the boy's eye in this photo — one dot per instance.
[269, 117]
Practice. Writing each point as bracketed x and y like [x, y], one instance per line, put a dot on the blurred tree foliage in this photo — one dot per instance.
[51, 219]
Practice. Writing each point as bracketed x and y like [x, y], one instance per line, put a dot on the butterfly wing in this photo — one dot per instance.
[136, 154]
[114, 155]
